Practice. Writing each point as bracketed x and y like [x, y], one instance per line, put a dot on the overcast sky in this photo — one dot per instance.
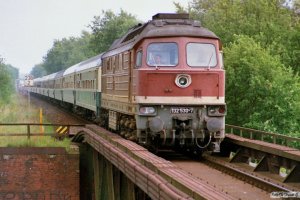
[29, 27]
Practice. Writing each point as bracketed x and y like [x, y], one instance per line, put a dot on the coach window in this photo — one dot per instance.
[139, 57]
[162, 54]
[201, 55]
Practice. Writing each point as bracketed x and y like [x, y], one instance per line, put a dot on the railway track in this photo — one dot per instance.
[202, 174]
[236, 179]
[246, 174]
[215, 172]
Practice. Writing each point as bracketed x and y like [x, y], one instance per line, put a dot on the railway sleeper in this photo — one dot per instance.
[287, 170]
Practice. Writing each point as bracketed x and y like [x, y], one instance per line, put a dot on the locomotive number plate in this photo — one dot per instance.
[181, 110]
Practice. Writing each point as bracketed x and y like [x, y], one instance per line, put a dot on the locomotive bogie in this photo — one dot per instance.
[181, 124]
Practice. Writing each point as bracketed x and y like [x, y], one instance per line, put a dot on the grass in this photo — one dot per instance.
[20, 111]
[40, 141]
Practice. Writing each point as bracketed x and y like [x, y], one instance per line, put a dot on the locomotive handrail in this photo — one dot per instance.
[270, 137]
[60, 132]
[39, 124]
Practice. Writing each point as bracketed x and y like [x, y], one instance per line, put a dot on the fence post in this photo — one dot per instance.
[28, 131]
[41, 122]
[68, 131]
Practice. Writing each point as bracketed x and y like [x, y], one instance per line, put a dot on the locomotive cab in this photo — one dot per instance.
[180, 92]
[163, 85]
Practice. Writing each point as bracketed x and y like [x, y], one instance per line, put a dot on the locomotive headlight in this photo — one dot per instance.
[212, 110]
[183, 80]
[147, 111]
[217, 110]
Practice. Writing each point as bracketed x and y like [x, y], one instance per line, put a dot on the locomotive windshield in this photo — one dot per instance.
[162, 54]
[201, 55]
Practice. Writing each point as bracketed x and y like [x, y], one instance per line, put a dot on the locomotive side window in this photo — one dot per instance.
[162, 54]
[118, 67]
[139, 57]
[201, 55]
[126, 57]
[120, 60]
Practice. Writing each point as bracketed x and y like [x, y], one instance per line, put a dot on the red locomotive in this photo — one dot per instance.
[163, 85]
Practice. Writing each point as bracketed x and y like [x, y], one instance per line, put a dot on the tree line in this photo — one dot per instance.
[8, 75]
[261, 45]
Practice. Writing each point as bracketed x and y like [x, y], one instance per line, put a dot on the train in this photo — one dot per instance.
[161, 85]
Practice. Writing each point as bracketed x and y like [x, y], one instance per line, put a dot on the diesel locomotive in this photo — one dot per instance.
[162, 85]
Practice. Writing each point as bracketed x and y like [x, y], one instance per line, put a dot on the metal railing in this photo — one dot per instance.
[274, 138]
[56, 130]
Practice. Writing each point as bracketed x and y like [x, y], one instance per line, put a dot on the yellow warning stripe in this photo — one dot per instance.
[62, 132]
[58, 129]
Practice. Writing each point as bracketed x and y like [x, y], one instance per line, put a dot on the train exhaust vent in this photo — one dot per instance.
[171, 16]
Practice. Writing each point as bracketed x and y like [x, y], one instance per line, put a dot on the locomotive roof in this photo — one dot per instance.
[161, 25]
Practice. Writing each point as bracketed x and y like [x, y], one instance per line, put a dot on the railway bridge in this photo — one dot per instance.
[121, 169]
[260, 164]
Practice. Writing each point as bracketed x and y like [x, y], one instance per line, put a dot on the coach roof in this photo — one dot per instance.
[90, 63]
[71, 70]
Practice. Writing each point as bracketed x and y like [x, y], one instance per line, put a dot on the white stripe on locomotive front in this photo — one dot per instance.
[179, 100]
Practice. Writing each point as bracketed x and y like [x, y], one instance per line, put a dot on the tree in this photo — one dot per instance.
[6, 82]
[67, 52]
[273, 23]
[108, 27]
[38, 71]
[261, 41]
[14, 72]
[260, 91]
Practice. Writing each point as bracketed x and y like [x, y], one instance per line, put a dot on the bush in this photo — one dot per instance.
[6, 85]
[261, 93]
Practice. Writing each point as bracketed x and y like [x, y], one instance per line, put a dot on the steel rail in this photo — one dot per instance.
[252, 179]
